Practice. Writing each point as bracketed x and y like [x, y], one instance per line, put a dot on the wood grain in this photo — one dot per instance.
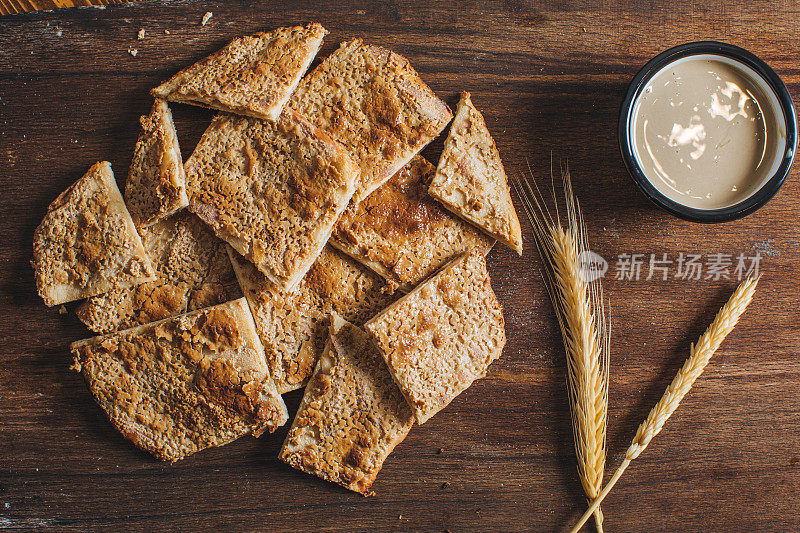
[550, 77]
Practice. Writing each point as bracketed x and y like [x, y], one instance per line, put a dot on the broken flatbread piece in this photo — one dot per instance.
[470, 180]
[87, 243]
[253, 75]
[402, 233]
[192, 269]
[373, 102]
[156, 185]
[441, 336]
[352, 414]
[293, 325]
[183, 384]
[272, 190]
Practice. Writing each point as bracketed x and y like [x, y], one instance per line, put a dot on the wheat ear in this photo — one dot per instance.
[699, 355]
[579, 308]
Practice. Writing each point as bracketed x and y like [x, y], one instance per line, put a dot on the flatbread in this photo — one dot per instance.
[272, 190]
[183, 384]
[441, 336]
[253, 75]
[402, 233]
[352, 414]
[372, 100]
[193, 271]
[156, 185]
[470, 180]
[293, 325]
[87, 243]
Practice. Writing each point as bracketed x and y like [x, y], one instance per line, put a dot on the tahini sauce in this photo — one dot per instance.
[704, 133]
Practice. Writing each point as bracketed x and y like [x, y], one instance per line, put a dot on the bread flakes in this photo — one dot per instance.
[443, 335]
[183, 384]
[192, 272]
[87, 243]
[402, 233]
[470, 180]
[254, 75]
[372, 100]
[156, 185]
[272, 190]
[293, 325]
[352, 414]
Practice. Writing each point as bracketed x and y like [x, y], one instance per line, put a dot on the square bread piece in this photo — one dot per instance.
[193, 271]
[87, 243]
[373, 102]
[156, 185]
[471, 181]
[253, 75]
[443, 335]
[352, 414]
[184, 384]
[293, 325]
[272, 190]
[402, 233]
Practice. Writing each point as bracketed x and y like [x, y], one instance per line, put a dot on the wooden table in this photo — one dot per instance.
[549, 78]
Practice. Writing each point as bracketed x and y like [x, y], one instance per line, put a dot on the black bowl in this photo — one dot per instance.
[767, 190]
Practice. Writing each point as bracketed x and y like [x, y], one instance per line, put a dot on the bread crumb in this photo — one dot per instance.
[141, 34]
[207, 16]
[133, 51]
[62, 310]
[59, 32]
[166, 31]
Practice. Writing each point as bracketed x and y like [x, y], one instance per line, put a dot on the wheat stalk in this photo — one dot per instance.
[579, 308]
[699, 355]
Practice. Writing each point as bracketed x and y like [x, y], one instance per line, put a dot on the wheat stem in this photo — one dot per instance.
[699, 356]
[578, 304]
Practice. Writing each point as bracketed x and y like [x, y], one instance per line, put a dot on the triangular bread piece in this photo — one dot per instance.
[441, 336]
[254, 75]
[87, 243]
[402, 233]
[373, 101]
[272, 190]
[156, 185]
[352, 415]
[184, 384]
[293, 325]
[470, 180]
[192, 268]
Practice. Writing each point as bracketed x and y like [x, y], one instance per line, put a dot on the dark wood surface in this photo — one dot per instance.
[549, 78]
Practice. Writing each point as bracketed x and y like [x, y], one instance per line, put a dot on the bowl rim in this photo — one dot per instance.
[781, 93]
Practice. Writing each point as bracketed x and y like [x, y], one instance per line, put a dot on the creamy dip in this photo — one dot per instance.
[705, 132]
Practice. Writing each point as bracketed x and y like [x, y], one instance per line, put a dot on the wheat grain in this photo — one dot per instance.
[579, 308]
[699, 356]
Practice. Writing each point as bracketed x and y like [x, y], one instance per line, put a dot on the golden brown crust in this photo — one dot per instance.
[87, 243]
[402, 233]
[253, 75]
[292, 325]
[471, 181]
[373, 102]
[352, 414]
[156, 185]
[193, 271]
[443, 335]
[272, 190]
[183, 384]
